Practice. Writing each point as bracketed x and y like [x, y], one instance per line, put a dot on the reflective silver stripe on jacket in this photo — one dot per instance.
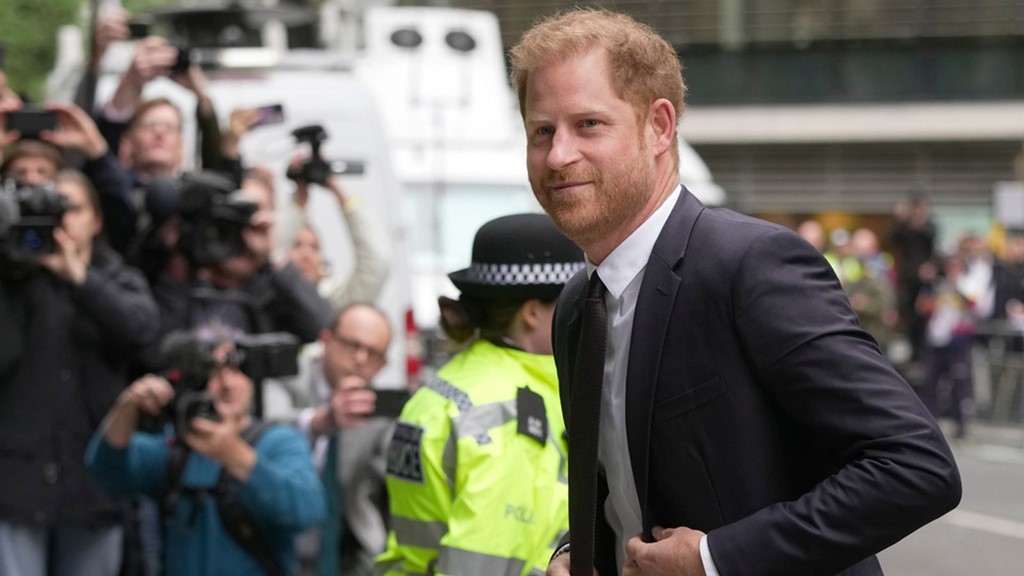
[458, 561]
[477, 421]
[418, 533]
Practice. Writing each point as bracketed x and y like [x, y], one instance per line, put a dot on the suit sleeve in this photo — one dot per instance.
[893, 471]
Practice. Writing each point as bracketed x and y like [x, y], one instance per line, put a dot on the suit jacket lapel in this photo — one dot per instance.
[650, 324]
[566, 337]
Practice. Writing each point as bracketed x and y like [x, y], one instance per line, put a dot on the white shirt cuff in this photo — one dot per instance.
[705, 557]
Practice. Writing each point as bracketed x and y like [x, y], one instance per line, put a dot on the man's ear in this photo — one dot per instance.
[324, 336]
[661, 121]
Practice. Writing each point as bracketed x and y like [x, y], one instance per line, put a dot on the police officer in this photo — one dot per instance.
[477, 467]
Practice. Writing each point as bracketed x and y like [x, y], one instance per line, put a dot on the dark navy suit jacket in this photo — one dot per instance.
[758, 411]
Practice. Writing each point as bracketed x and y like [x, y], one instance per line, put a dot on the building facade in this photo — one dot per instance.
[841, 108]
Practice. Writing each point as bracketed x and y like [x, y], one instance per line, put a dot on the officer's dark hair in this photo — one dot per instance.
[469, 317]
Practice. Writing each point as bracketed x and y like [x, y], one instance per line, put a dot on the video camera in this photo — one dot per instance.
[28, 216]
[189, 362]
[213, 215]
[315, 169]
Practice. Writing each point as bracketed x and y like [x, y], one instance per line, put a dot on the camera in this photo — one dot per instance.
[315, 169]
[28, 216]
[189, 362]
[213, 215]
[31, 121]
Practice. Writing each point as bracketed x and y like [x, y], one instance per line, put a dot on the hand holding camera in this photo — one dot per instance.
[154, 56]
[219, 440]
[66, 262]
[352, 402]
[75, 131]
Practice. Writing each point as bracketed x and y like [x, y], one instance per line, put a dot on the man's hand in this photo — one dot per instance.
[148, 394]
[674, 552]
[77, 131]
[352, 402]
[111, 27]
[154, 56]
[240, 122]
[222, 441]
[9, 99]
[66, 262]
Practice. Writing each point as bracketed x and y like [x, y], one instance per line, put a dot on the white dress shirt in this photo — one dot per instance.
[622, 274]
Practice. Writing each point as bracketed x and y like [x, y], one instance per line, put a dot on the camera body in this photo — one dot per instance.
[315, 169]
[189, 362]
[28, 216]
[213, 215]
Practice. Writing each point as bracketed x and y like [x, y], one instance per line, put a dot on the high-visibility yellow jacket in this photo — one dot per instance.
[477, 469]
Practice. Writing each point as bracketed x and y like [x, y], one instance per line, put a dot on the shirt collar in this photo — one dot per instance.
[631, 256]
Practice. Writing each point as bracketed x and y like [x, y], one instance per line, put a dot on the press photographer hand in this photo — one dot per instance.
[77, 131]
[222, 441]
[67, 262]
[149, 395]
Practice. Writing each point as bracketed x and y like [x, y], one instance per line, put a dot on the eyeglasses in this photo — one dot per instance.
[372, 354]
[159, 124]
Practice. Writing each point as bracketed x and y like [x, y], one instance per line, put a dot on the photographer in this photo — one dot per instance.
[73, 316]
[371, 245]
[273, 479]
[34, 159]
[332, 402]
[227, 277]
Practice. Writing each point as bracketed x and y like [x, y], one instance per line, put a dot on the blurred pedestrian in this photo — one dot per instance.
[72, 321]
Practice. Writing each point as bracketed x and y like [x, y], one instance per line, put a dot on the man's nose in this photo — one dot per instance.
[564, 150]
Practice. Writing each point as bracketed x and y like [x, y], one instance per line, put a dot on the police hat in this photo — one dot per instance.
[519, 257]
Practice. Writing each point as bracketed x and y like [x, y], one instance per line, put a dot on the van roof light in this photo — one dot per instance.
[460, 41]
[406, 38]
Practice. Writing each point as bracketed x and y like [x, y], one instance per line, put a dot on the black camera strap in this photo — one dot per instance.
[237, 522]
[236, 519]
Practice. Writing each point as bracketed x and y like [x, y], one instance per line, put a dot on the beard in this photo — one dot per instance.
[613, 197]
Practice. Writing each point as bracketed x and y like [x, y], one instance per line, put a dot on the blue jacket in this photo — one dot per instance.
[283, 495]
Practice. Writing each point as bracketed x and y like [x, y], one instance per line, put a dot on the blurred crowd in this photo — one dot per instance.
[154, 318]
[951, 319]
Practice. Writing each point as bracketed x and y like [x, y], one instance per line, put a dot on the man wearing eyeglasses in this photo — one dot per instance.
[332, 402]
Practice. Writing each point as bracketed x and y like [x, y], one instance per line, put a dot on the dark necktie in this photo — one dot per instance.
[584, 426]
[330, 528]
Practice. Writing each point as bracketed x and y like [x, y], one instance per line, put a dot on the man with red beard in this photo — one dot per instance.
[726, 414]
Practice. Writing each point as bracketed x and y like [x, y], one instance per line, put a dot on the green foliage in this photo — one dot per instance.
[28, 28]
[136, 6]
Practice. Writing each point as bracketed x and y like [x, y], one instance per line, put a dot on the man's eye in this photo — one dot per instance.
[545, 131]
[591, 123]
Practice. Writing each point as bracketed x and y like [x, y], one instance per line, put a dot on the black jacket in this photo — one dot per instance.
[64, 354]
[758, 411]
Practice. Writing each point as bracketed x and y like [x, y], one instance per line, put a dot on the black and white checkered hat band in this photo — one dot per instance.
[522, 274]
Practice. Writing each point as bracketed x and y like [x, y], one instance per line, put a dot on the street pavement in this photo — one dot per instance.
[985, 534]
